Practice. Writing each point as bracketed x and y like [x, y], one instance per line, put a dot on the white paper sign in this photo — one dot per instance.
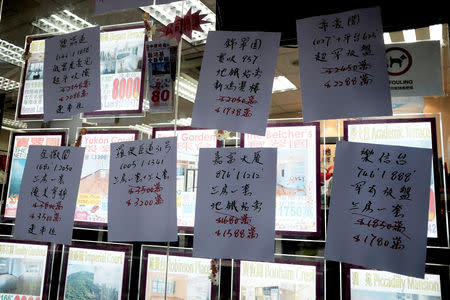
[379, 207]
[48, 194]
[235, 85]
[103, 6]
[235, 206]
[409, 133]
[142, 191]
[415, 69]
[343, 66]
[72, 74]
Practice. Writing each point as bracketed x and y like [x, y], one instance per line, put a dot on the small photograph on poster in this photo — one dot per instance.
[122, 56]
[95, 272]
[283, 279]
[32, 94]
[298, 185]
[187, 277]
[160, 80]
[189, 141]
[92, 202]
[327, 155]
[365, 284]
[23, 270]
[18, 158]
[35, 70]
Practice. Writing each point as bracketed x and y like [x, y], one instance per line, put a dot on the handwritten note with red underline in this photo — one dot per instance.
[142, 191]
[236, 79]
[48, 194]
[379, 207]
[343, 66]
[72, 74]
[235, 206]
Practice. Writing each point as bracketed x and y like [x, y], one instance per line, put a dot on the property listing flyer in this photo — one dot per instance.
[32, 96]
[160, 83]
[381, 285]
[93, 274]
[21, 143]
[22, 269]
[288, 281]
[121, 64]
[92, 202]
[188, 144]
[296, 194]
[187, 277]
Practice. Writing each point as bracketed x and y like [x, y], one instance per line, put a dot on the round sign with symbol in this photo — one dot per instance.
[399, 61]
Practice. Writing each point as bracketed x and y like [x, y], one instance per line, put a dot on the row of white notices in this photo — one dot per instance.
[346, 72]
[379, 203]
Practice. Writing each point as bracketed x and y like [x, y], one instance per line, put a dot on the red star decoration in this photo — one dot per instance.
[185, 25]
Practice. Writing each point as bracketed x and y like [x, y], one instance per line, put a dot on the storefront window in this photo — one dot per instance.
[150, 68]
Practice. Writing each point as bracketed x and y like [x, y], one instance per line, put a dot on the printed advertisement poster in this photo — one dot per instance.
[20, 147]
[33, 90]
[94, 274]
[381, 285]
[277, 281]
[121, 63]
[22, 269]
[296, 191]
[188, 144]
[92, 203]
[187, 277]
[160, 84]
[411, 134]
